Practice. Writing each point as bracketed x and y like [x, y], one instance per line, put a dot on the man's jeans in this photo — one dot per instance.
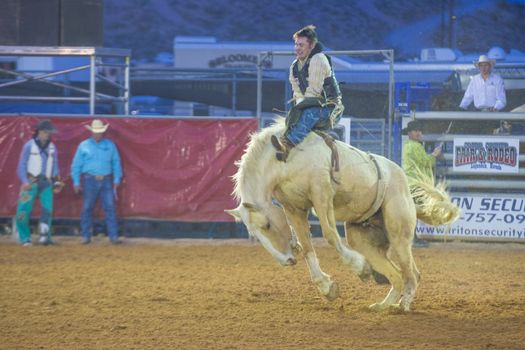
[94, 189]
[40, 188]
[309, 118]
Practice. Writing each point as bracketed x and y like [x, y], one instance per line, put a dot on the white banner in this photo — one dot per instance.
[483, 217]
[486, 155]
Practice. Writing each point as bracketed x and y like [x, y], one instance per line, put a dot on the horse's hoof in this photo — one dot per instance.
[376, 307]
[333, 292]
[383, 307]
[404, 305]
[397, 309]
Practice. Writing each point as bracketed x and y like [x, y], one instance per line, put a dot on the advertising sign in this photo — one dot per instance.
[483, 217]
[486, 155]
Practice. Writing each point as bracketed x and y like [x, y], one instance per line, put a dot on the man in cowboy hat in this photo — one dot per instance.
[97, 161]
[416, 162]
[486, 89]
[39, 174]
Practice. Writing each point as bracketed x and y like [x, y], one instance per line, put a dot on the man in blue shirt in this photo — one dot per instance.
[97, 161]
[38, 172]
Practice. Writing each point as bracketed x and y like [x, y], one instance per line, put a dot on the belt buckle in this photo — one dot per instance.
[99, 177]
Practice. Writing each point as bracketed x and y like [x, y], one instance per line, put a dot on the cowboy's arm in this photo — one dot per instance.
[58, 184]
[318, 70]
[425, 159]
[501, 98]
[115, 165]
[56, 170]
[22, 164]
[76, 166]
[468, 97]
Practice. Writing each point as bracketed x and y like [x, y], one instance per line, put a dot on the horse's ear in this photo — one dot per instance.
[235, 213]
[249, 206]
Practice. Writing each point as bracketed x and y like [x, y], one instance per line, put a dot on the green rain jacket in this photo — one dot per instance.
[416, 161]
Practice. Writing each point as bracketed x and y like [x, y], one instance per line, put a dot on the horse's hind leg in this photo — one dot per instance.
[371, 242]
[298, 219]
[400, 227]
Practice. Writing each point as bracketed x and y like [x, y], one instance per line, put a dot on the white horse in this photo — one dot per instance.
[369, 193]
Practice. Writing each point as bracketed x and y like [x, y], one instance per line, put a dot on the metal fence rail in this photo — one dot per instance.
[119, 59]
[472, 182]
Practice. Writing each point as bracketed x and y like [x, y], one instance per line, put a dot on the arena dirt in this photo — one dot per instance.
[189, 294]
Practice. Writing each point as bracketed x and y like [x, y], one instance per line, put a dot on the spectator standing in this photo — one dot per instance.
[417, 163]
[39, 174]
[97, 163]
[316, 93]
[485, 89]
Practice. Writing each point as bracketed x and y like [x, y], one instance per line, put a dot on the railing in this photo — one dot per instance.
[472, 125]
[99, 59]
[369, 135]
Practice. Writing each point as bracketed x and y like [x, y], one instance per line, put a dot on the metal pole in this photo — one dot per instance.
[126, 85]
[390, 101]
[92, 84]
[234, 94]
[259, 90]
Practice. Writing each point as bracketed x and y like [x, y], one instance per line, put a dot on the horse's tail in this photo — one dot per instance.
[433, 204]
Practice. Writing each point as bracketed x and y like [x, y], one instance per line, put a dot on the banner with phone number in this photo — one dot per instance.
[491, 217]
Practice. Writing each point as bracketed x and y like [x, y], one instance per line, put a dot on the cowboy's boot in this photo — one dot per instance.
[283, 147]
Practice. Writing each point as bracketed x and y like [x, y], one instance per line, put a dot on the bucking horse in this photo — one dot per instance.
[368, 192]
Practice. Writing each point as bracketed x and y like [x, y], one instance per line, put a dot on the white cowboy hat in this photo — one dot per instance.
[97, 126]
[484, 59]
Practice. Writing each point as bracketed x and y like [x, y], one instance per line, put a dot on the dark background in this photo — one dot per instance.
[149, 26]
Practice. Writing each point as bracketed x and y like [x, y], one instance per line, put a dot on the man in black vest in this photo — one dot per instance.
[316, 94]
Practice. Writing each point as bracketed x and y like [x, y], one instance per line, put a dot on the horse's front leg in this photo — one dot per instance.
[298, 219]
[324, 208]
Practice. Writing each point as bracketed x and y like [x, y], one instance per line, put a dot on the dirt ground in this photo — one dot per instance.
[231, 294]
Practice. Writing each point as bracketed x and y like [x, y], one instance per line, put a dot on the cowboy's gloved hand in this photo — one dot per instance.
[58, 186]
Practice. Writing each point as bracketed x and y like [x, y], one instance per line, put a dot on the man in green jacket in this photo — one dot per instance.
[417, 164]
[416, 161]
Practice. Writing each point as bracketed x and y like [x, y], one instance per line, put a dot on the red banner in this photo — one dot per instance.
[174, 169]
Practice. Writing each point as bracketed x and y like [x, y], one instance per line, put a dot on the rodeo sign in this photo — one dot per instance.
[486, 155]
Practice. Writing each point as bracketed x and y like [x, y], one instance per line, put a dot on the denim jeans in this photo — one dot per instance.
[309, 118]
[94, 189]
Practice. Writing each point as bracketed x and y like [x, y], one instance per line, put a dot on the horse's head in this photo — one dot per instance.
[268, 224]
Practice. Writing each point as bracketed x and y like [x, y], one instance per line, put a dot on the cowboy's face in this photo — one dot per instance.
[97, 136]
[43, 135]
[485, 68]
[303, 47]
[416, 135]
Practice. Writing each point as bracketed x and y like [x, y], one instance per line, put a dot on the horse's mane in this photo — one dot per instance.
[253, 153]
